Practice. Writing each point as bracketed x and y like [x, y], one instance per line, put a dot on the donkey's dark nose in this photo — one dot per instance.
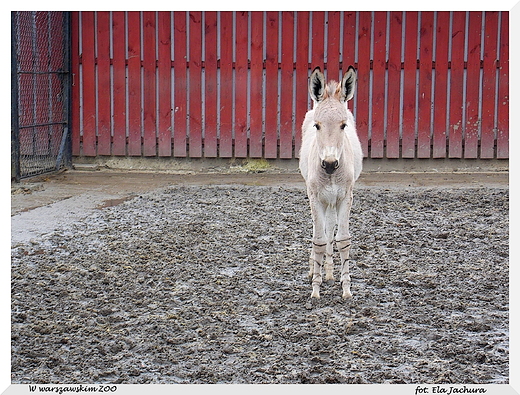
[330, 166]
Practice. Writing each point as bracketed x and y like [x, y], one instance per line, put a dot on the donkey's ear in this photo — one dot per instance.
[317, 85]
[348, 84]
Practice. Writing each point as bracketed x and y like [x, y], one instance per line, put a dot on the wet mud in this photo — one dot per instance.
[208, 284]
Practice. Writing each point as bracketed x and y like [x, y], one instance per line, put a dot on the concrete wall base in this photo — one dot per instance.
[218, 165]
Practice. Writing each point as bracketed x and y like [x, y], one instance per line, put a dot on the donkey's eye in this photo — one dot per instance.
[317, 126]
[343, 125]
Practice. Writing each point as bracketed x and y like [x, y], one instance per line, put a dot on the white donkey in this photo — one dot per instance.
[330, 162]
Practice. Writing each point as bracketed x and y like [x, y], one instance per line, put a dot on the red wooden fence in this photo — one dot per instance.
[234, 84]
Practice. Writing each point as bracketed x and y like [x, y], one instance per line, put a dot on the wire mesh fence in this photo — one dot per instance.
[41, 92]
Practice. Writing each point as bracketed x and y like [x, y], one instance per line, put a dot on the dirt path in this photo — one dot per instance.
[45, 190]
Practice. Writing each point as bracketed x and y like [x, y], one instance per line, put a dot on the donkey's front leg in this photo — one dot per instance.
[319, 246]
[343, 242]
[330, 224]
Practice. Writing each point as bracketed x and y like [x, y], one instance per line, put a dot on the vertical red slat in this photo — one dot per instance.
[473, 85]
[210, 68]
[255, 142]
[487, 140]
[349, 51]
[103, 83]
[180, 86]
[456, 84]
[425, 86]
[409, 85]
[286, 89]
[503, 90]
[441, 84]
[149, 90]
[195, 73]
[302, 70]
[226, 84]
[119, 83]
[394, 87]
[363, 84]
[333, 45]
[318, 39]
[378, 86]
[271, 86]
[134, 83]
[75, 129]
[241, 44]
[88, 84]
[349, 40]
[164, 68]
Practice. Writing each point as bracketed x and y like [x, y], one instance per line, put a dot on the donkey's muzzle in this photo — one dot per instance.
[330, 166]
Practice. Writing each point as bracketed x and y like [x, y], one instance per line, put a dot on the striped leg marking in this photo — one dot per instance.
[329, 264]
[316, 263]
[344, 250]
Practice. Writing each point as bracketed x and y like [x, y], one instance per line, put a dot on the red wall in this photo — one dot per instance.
[234, 84]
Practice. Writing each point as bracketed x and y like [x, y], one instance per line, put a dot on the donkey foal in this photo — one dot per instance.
[330, 162]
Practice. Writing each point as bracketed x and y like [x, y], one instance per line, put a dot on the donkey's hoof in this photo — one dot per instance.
[347, 294]
[315, 293]
[330, 281]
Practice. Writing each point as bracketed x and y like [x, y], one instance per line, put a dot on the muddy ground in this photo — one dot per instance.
[207, 284]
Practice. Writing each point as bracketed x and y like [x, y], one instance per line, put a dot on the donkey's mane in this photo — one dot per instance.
[331, 89]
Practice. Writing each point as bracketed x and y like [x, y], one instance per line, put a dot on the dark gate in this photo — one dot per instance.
[40, 105]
